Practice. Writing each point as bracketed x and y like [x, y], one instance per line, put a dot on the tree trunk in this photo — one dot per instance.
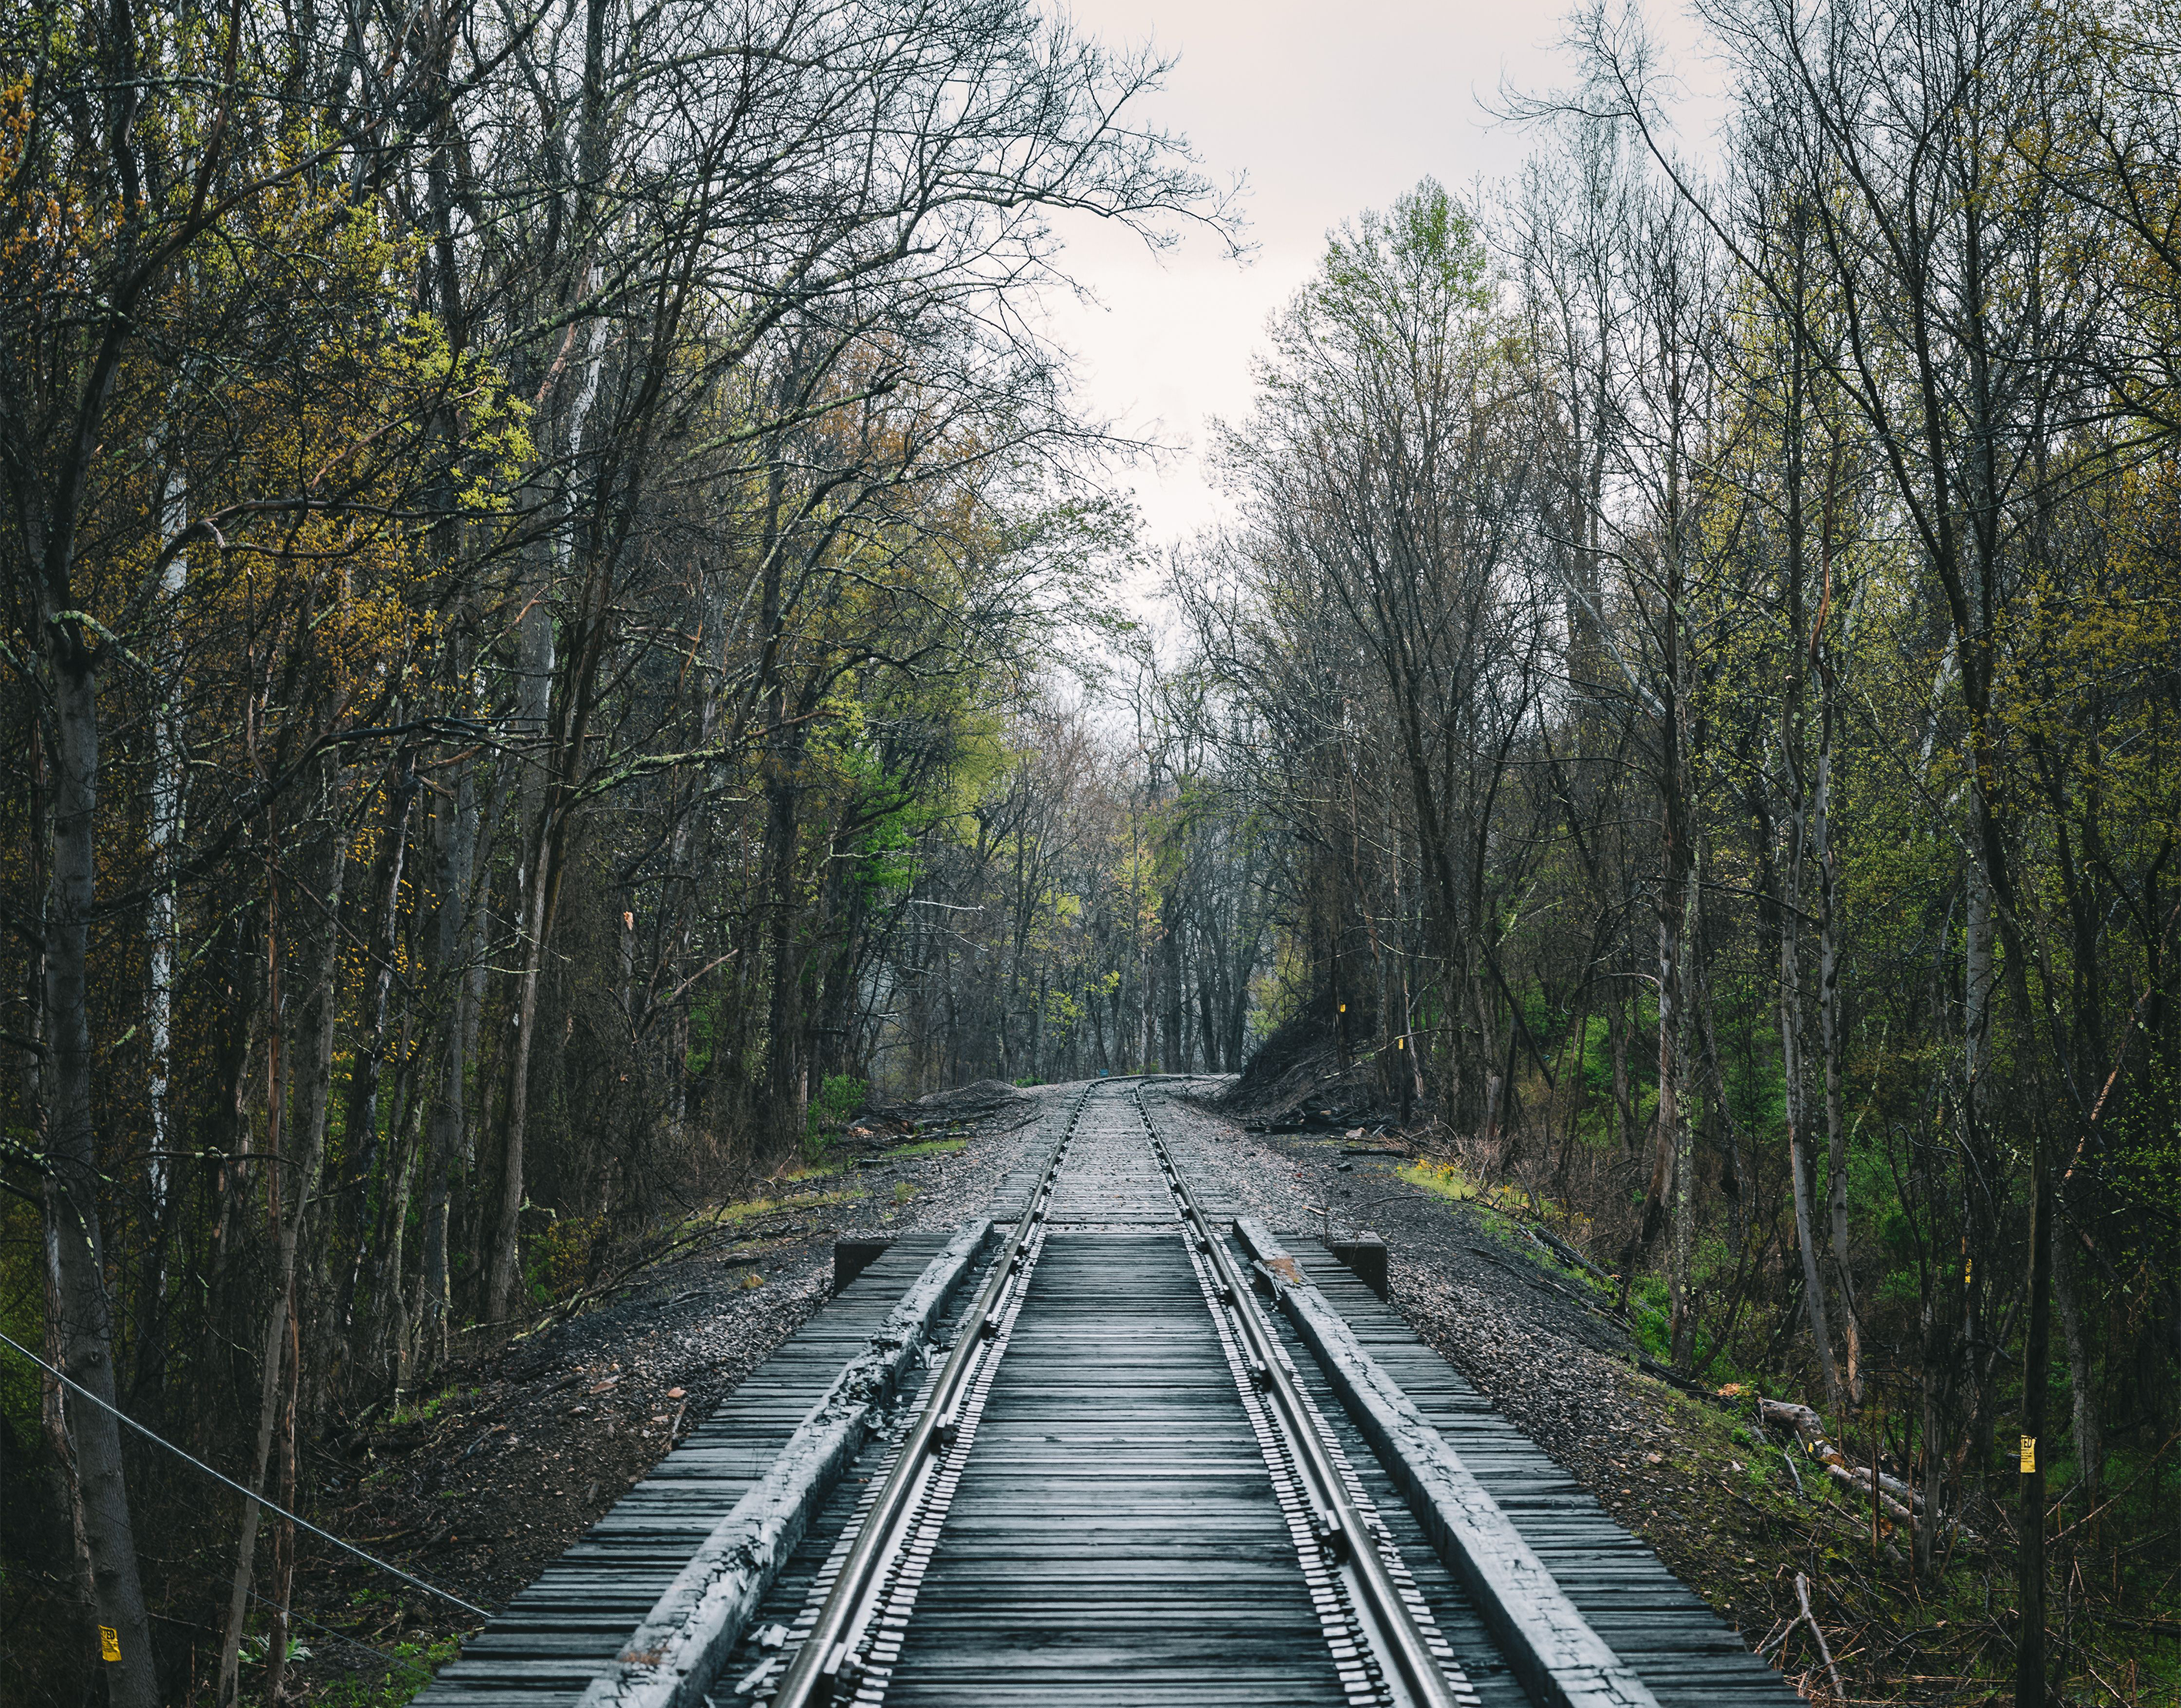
[359, 1133]
[1684, 1249]
[168, 774]
[1796, 1103]
[321, 1008]
[456, 824]
[385, 1348]
[74, 1245]
[1622, 1023]
[1932, 1396]
[536, 651]
[1829, 1032]
[272, 1353]
[507, 1230]
[787, 1087]
[1976, 987]
[1977, 979]
[2074, 1326]
[1736, 1183]
[2037, 1358]
[1670, 1138]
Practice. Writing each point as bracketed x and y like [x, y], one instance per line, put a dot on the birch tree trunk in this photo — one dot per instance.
[1829, 1032]
[1797, 1109]
[455, 827]
[168, 775]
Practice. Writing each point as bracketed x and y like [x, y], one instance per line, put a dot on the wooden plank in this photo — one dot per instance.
[1671, 1637]
[1560, 1658]
[674, 1654]
[1113, 1537]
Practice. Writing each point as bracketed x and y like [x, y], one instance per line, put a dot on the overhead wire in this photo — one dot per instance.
[248, 1493]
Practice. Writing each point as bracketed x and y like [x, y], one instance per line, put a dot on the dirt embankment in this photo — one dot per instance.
[1302, 1078]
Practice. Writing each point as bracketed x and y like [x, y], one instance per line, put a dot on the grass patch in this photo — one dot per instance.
[1450, 1181]
[795, 1173]
[755, 1210]
[422, 1413]
[928, 1147]
[1441, 1179]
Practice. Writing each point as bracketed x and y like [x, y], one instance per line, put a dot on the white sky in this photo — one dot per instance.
[1328, 110]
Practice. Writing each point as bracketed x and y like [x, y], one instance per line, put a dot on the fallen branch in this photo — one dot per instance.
[2157, 1628]
[1568, 1254]
[1824, 1653]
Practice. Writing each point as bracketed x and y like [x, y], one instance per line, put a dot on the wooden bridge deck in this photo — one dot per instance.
[1113, 1533]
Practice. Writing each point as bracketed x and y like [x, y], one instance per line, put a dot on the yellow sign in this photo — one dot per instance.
[1400, 1043]
[109, 1643]
[2029, 1454]
[1343, 1007]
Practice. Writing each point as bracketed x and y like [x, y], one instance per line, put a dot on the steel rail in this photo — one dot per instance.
[823, 1666]
[1340, 1527]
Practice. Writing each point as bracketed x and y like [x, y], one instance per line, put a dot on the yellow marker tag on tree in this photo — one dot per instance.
[109, 1643]
[2029, 1454]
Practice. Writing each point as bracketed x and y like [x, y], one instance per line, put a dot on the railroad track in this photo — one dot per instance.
[1116, 1446]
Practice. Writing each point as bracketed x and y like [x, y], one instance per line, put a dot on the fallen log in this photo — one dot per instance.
[1891, 1484]
[1895, 1497]
[1857, 1483]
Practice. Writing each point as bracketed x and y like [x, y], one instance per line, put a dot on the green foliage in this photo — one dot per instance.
[838, 1098]
[704, 1016]
[421, 1412]
[391, 1686]
[1452, 1182]
[22, 1313]
[557, 1262]
[1427, 250]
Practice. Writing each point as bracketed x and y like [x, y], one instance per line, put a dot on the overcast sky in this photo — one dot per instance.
[1328, 109]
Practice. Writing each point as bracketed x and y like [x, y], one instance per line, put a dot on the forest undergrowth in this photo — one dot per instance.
[1738, 1506]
